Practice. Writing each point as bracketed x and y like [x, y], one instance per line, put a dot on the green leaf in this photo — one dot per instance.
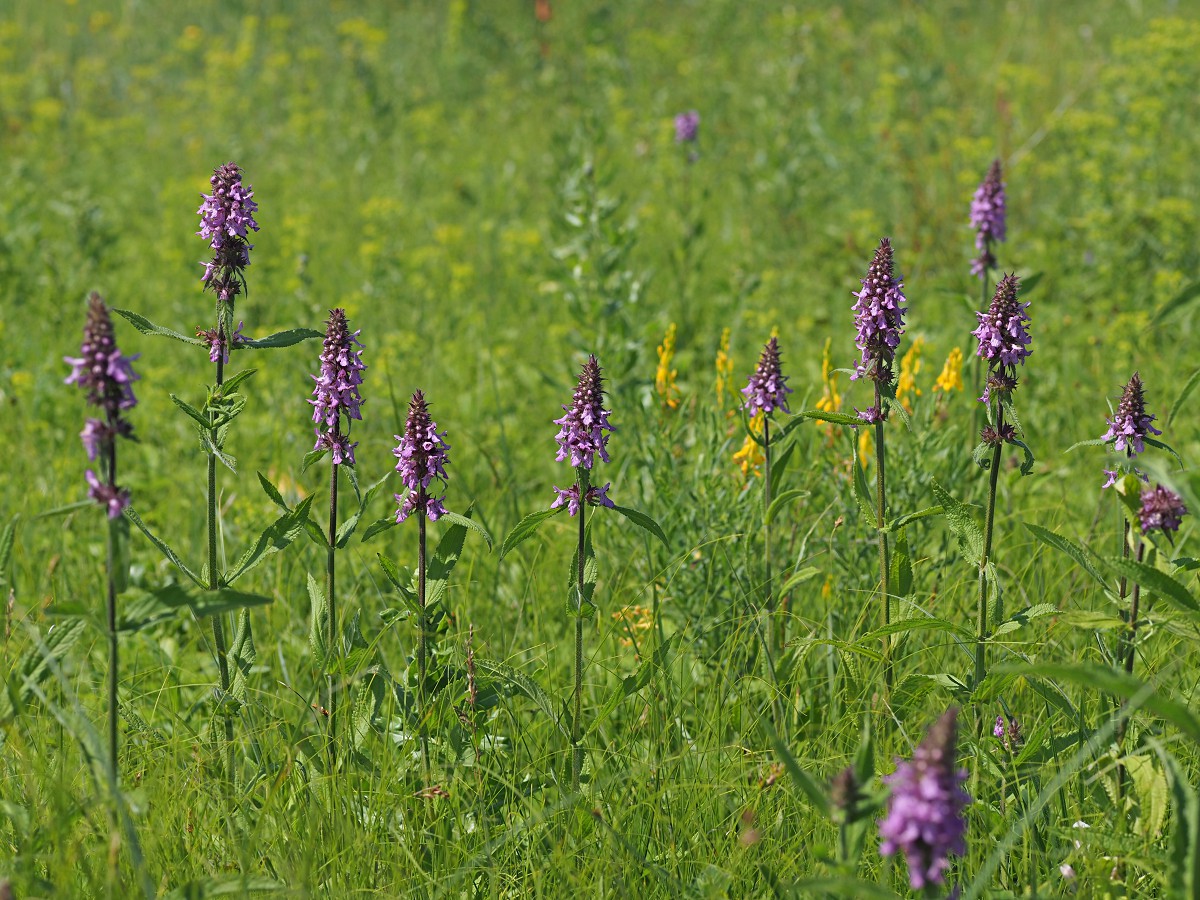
[279, 339]
[445, 557]
[154, 606]
[346, 531]
[7, 537]
[276, 537]
[797, 578]
[580, 604]
[272, 492]
[641, 520]
[836, 418]
[242, 654]
[631, 684]
[1091, 619]
[210, 446]
[379, 526]
[901, 566]
[1185, 837]
[962, 524]
[1180, 300]
[1154, 442]
[318, 624]
[919, 623]
[400, 581]
[862, 493]
[1152, 579]
[1183, 395]
[200, 418]
[470, 523]
[1024, 617]
[230, 385]
[1091, 442]
[1067, 546]
[525, 686]
[312, 456]
[31, 668]
[900, 521]
[526, 528]
[779, 464]
[145, 326]
[166, 551]
[1027, 456]
[813, 789]
[778, 503]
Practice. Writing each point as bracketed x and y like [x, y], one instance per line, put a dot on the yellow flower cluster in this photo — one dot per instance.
[910, 365]
[664, 378]
[831, 400]
[750, 458]
[634, 622]
[951, 377]
[724, 369]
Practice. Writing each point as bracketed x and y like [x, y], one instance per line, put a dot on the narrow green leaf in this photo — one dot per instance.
[631, 684]
[812, 788]
[901, 566]
[242, 654]
[31, 668]
[1027, 461]
[200, 418]
[470, 523]
[641, 520]
[1067, 546]
[862, 493]
[318, 615]
[1091, 442]
[166, 551]
[272, 492]
[274, 538]
[445, 557]
[311, 457]
[778, 503]
[836, 418]
[379, 526]
[1180, 300]
[962, 524]
[7, 537]
[1091, 619]
[145, 326]
[526, 528]
[346, 531]
[577, 605]
[1152, 579]
[210, 446]
[279, 339]
[400, 581]
[900, 521]
[798, 578]
[525, 686]
[1183, 395]
[841, 886]
[779, 463]
[1185, 836]
[230, 386]
[920, 623]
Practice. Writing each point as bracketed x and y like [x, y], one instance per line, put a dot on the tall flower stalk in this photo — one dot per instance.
[989, 218]
[335, 396]
[581, 438]
[107, 375]
[1004, 340]
[226, 219]
[421, 454]
[879, 320]
[765, 392]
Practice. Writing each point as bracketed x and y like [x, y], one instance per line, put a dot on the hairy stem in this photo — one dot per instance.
[214, 578]
[885, 566]
[981, 623]
[332, 667]
[768, 599]
[111, 459]
[577, 716]
[422, 712]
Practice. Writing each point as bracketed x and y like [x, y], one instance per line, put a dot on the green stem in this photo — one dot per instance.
[331, 590]
[769, 599]
[421, 625]
[981, 623]
[214, 581]
[880, 523]
[111, 453]
[577, 716]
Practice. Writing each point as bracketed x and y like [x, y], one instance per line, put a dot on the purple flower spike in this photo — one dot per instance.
[582, 436]
[924, 818]
[1008, 732]
[879, 317]
[100, 369]
[336, 392]
[570, 496]
[421, 452]
[767, 388]
[988, 219]
[111, 497]
[1162, 509]
[687, 127]
[226, 219]
[1131, 425]
[1003, 336]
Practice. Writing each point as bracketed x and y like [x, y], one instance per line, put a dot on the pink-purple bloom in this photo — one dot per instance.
[582, 436]
[988, 219]
[596, 496]
[767, 388]
[879, 317]
[218, 345]
[1003, 336]
[924, 818]
[107, 375]
[336, 392]
[1131, 424]
[421, 455]
[1008, 732]
[226, 219]
[1162, 509]
[687, 127]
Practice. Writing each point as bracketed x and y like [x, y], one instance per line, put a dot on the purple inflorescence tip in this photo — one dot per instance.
[421, 452]
[988, 219]
[107, 376]
[582, 436]
[1131, 425]
[687, 127]
[924, 818]
[1003, 336]
[596, 496]
[879, 317]
[1008, 732]
[1162, 509]
[336, 392]
[226, 218]
[767, 388]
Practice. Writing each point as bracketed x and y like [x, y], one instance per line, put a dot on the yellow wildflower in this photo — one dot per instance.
[866, 447]
[634, 622]
[951, 377]
[910, 365]
[724, 369]
[750, 458]
[831, 400]
[664, 378]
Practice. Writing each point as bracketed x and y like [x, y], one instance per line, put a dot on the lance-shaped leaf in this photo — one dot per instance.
[526, 528]
[276, 537]
[1065, 546]
[279, 339]
[146, 609]
[162, 546]
[445, 557]
[145, 326]
[1152, 579]
[318, 638]
[242, 654]
[580, 603]
[346, 530]
[468, 522]
[641, 520]
[961, 523]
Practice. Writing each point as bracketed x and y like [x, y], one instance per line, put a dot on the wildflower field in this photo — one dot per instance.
[504, 448]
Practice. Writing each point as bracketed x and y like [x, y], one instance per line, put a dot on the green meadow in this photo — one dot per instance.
[492, 190]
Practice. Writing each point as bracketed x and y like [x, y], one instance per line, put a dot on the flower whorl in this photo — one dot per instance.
[879, 317]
